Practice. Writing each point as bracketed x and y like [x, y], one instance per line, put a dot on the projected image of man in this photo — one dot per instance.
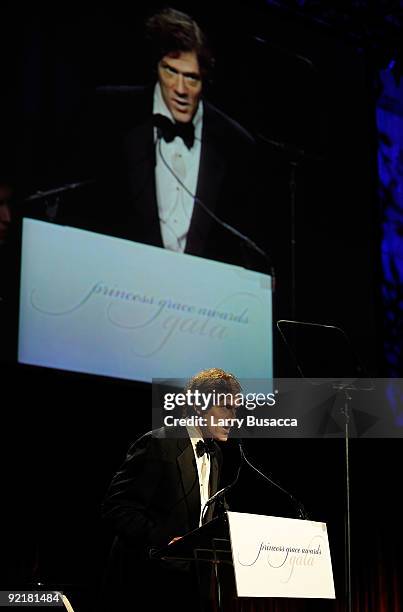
[166, 154]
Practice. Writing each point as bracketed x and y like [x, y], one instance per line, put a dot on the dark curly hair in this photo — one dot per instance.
[170, 32]
[213, 380]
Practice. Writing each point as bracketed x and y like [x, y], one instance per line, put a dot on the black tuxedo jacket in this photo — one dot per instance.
[153, 498]
[125, 204]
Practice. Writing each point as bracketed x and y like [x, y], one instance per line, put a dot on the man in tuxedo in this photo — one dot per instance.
[170, 165]
[158, 495]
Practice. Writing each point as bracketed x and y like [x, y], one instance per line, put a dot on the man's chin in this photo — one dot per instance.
[221, 436]
[182, 116]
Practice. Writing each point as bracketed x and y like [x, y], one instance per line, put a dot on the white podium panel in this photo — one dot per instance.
[280, 557]
[103, 305]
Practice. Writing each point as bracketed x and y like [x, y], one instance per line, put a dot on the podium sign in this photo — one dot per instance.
[280, 557]
[102, 305]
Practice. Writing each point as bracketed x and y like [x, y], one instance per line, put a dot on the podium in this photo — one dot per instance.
[209, 548]
[210, 543]
[256, 556]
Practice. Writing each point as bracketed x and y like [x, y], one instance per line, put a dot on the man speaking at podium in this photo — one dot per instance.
[170, 163]
[157, 496]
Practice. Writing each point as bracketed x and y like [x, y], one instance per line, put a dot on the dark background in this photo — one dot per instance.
[308, 94]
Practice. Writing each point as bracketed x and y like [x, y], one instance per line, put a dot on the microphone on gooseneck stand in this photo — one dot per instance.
[219, 495]
[52, 197]
[40, 195]
[299, 507]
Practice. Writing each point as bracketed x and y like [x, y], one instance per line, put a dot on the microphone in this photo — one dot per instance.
[223, 224]
[290, 151]
[39, 195]
[221, 493]
[51, 197]
[300, 509]
[302, 58]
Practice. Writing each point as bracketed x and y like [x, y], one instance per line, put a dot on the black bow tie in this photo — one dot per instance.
[205, 446]
[169, 130]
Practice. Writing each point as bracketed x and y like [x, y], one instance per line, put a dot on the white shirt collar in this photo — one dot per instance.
[194, 435]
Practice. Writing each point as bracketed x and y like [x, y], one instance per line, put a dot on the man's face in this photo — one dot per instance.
[226, 410]
[181, 85]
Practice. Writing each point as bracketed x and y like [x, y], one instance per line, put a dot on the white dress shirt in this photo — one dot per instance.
[203, 469]
[175, 205]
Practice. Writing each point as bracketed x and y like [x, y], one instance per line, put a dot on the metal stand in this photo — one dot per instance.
[212, 557]
[293, 239]
[293, 156]
[338, 361]
[346, 413]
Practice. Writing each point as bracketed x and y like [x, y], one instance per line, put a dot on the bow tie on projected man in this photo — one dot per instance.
[158, 495]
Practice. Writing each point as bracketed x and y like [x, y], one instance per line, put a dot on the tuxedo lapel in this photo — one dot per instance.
[213, 486]
[213, 475]
[190, 480]
[211, 173]
[140, 153]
